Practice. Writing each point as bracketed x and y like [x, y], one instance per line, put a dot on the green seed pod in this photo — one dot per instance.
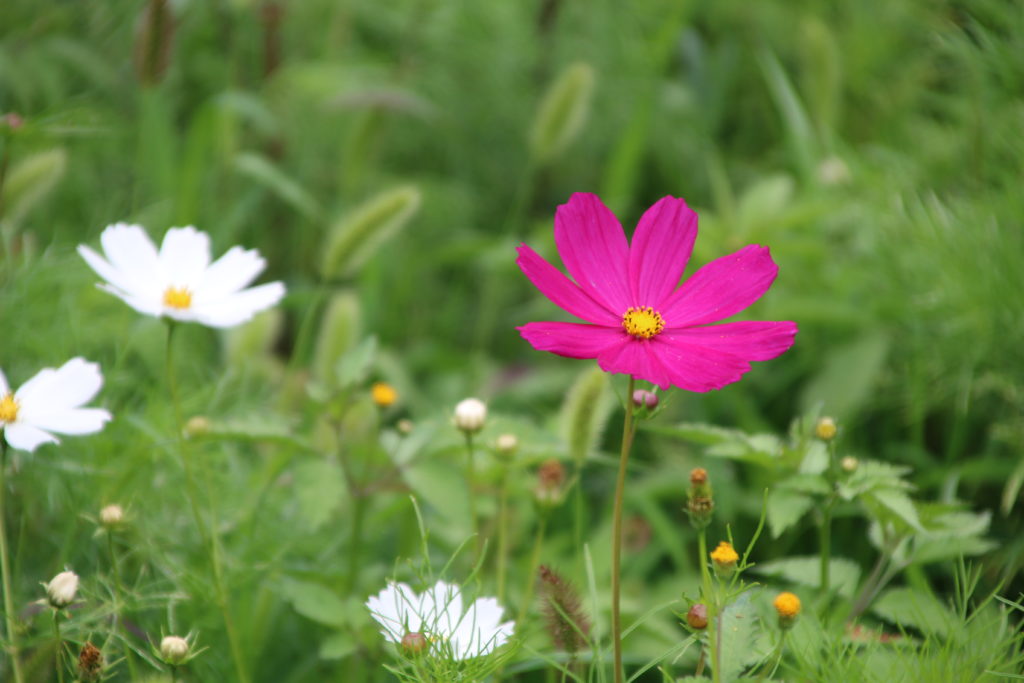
[340, 330]
[585, 412]
[562, 112]
[354, 238]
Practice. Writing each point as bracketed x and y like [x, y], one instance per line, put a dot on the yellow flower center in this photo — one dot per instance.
[787, 605]
[8, 408]
[642, 323]
[177, 297]
[724, 554]
[383, 394]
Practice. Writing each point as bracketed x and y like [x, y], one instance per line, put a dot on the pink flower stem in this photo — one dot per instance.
[5, 569]
[620, 486]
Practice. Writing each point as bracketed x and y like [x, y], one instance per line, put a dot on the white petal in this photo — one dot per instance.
[230, 273]
[445, 605]
[25, 437]
[237, 308]
[120, 281]
[69, 386]
[396, 608]
[71, 421]
[184, 256]
[130, 252]
[151, 303]
[5, 388]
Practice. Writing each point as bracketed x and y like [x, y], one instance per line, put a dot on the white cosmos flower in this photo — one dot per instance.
[51, 402]
[438, 615]
[178, 281]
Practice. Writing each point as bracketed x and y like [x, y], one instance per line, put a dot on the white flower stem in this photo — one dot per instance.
[5, 569]
[209, 534]
[620, 487]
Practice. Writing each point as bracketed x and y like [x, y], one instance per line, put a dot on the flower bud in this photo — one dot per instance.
[197, 425]
[697, 617]
[62, 589]
[699, 503]
[470, 415]
[414, 643]
[645, 399]
[111, 516]
[698, 476]
[174, 649]
[826, 429]
[90, 663]
[404, 426]
[724, 558]
[506, 444]
[849, 464]
[384, 395]
[788, 606]
[550, 478]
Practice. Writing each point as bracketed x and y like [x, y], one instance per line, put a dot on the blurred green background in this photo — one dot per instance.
[876, 146]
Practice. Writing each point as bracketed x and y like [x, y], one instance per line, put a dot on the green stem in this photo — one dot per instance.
[206, 529]
[471, 487]
[60, 646]
[710, 597]
[118, 605]
[5, 570]
[356, 541]
[503, 533]
[825, 533]
[620, 487]
[531, 579]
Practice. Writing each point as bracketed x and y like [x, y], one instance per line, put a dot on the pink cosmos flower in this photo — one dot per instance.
[640, 322]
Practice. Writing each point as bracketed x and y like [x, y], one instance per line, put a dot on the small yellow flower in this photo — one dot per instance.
[788, 607]
[383, 394]
[826, 429]
[725, 559]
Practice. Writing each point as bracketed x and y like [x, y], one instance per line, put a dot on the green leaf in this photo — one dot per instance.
[843, 574]
[845, 383]
[353, 366]
[786, 508]
[898, 504]
[337, 646]
[319, 490]
[742, 644]
[699, 433]
[315, 602]
[908, 607]
[259, 169]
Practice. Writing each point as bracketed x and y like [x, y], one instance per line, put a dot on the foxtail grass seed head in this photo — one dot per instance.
[788, 606]
[724, 559]
[562, 112]
[470, 415]
[90, 663]
[550, 491]
[826, 429]
[153, 38]
[383, 394]
[849, 464]
[414, 643]
[506, 445]
[697, 617]
[61, 590]
[645, 399]
[174, 650]
[699, 501]
[111, 516]
[566, 622]
[359, 234]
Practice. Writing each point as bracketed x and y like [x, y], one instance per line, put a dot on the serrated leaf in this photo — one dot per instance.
[786, 508]
[354, 366]
[843, 574]
[900, 505]
[740, 644]
[908, 607]
[319, 490]
[815, 460]
[315, 602]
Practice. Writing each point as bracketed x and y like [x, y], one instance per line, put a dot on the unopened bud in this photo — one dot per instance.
[698, 476]
[645, 399]
[697, 617]
[470, 415]
[833, 171]
[550, 478]
[383, 394]
[506, 444]
[699, 502]
[849, 464]
[404, 425]
[724, 558]
[111, 516]
[414, 643]
[197, 425]
[174, 649]
[826, 429]
[61, 590]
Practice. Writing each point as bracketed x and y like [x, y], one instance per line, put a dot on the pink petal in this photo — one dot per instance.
[635, 357]
[661, 247]
[594, 249]
[561, 290]
[573, 340]
[752, 340]
[722, 288]
[697, 368]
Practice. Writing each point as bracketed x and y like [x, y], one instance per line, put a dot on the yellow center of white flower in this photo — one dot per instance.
[8, 408]
[642, 323]
[177, 297]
